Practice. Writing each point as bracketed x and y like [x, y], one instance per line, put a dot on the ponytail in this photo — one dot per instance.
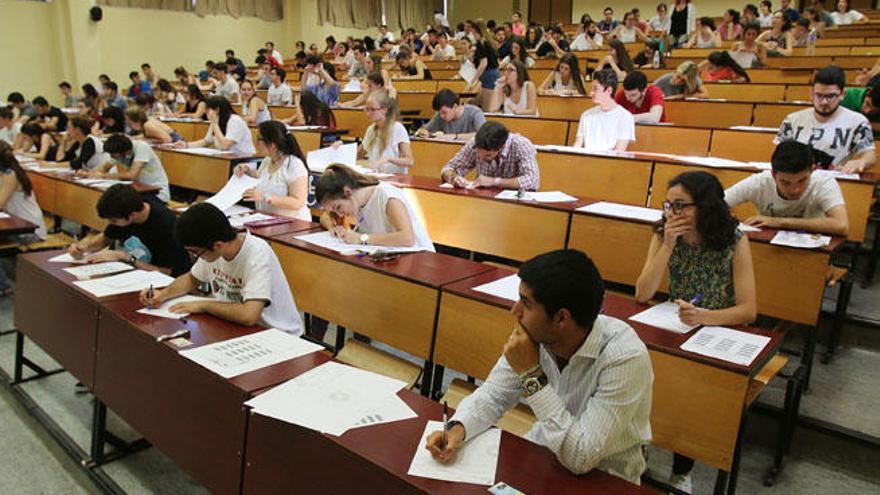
[9, 162]
[274, 132]
[336, 178]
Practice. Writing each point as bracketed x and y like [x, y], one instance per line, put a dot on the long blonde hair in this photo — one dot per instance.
[688, 70]
[379, 137]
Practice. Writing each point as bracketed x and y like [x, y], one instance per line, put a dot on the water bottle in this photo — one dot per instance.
[811, 42]
[656, 63]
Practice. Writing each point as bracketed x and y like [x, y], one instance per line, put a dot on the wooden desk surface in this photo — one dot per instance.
[293, 226]
[15, 225]
[208, 173]
[281, 455]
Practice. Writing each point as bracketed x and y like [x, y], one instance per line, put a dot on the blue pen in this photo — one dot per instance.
[696, 299]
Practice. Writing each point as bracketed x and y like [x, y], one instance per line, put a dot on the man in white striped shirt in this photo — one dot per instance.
[586, 376]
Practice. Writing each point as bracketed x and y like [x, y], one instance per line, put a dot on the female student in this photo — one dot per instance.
[844, 16]
[730, 28]
[385, 217]
[17, 198]
[80, 148]
[37, 142]
[284, 178]
[618, 59]
[150, 127]
[514, 93]
[518, 52]
[253, 108]
[685, 82]
[682, 22]
[113, 119]
[628, 31]
[719, 66]
[184, 77]
[705, 35]
[312, 111]
[95, 102]
[533, 37]
[748, 53]
[194, 103]
[168, 97]
[486, 61]
[386, 142]
[410, 67]
[227, 130]
[778, 40]
[566, 79]
[708, 262]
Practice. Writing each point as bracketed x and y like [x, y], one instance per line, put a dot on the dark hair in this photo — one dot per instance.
[831, 75]
[133, 74]
[15, 97]
[715, 223]
[103, 76]
[230, 52]
[314, 59]
[281, 73]
[376, 78]
[33, 130]
[274, 132]
[444, 98]
[180, 71]
[753, 26]
[120, 201]
[491, 136]
[9, 162]
[64, 84]
[734, 15]
[723, 59]
[145, 66]
[768, 3]
[164, 85]
[81, 122]
[708, 21]
[89, 91]
[315, 111]
[635, 80]
[336, 178]
[202, 225]
[118, 144]
[112, 85]
[792, 157]
[607, 78]
[804, 22]
[145, 100]
[225, 110]
[522, 75]
[220, 66]
[565, 279]
[751, 8]
[330, 69]
[299, 55]
[194, 90]
[873, 92]
[41, 101]
[577, 78]
[6, 113]
[118, 117]
[623, 60]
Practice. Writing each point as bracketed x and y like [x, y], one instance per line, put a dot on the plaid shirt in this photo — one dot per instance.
[516, 159]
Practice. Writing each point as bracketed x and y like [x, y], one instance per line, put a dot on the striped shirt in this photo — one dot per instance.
[593, 414]
[517, 158]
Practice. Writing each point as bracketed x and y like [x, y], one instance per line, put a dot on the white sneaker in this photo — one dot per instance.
[681, 482]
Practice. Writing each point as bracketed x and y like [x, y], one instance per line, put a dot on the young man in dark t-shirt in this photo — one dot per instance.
[53, 119]
[144, 227]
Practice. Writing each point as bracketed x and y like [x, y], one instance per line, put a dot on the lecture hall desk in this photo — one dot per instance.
[14, 225]
[208, 173]
[192, 130]
[376, 459]
[686, 385]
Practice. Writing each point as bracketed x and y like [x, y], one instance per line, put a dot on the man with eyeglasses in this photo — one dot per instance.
[840, 138]
[242, 272]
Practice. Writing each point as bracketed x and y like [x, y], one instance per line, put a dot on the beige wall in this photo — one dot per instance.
[28, 49]
[648, 8]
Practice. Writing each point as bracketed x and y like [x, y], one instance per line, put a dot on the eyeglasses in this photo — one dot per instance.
[676, 206]
[826, 96]
[195, 255]
[372, 109]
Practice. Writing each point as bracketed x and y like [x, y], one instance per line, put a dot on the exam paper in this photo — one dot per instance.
[713, 161]
[665, 316]
[164, 311]
[232, 191]
[505, 288]
[726, 344]
[66, 258]
[97, 269]
[353, 86]
[467, 71]
[239, 220]
[842, 175]
[748, 228]
[326, 240]
[133, 281]
[248, 353]
[623, 211]
[476, 462]
[800, 239]
[200, 151]
[391, 409]
[752, 128]
[3, 214]
[541, 197]
[320, 159]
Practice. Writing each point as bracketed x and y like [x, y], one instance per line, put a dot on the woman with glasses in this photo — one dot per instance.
[386, 142]
[284, 178]
[708, 262]
[514, 93]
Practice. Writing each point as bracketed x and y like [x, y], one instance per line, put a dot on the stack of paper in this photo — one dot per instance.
[200, 151]
[326, 240]
[476, 461]
[541, 197]
[334, 398]
[726, 344]
[800, 240]
[232, 191]
[98, 269]
[623, 211]
[322, 158]
[248, 353]
[665, 316]
[133, 281]
[164, 311]
[505, 288]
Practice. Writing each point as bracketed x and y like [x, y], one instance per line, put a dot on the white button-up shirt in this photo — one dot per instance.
[595, 413]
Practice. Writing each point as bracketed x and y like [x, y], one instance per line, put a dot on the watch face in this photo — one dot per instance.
[531, 385]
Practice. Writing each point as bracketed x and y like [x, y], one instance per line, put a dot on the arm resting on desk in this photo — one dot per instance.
[835, 222]
[483, 408]
[861, 162]
[246, 313]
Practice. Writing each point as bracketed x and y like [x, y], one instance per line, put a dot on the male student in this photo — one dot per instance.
[134, 160]
[453, 120]
[644, 101]
[150, 75]
[264, 80]
[606, 126]
[840, 137]
[112, 96]
[554, 44]
[503, 160]
[274, 54]
[26, 111]
[279, 92]
[793, 196]
[228, 86]
[240, 69]
[242, 271]
[359, 68]
[138, 87]
[82, 150]
[586, 376]
[70, 99]
[140, 227]
[52, 118]
[9, 128]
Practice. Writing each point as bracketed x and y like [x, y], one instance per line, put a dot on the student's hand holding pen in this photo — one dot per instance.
[152, 298]
[445, 451]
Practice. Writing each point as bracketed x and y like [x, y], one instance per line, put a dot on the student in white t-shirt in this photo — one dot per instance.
[279, 92]
[606, 126]
[226, 130]
[9, 128]
[284, 178]
[241, 271]
[844, 15]
[386, 142]
[228, 87]
[793, 196]
[132, 160]
[383, 216]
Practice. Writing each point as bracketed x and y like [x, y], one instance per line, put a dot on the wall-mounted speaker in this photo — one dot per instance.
[96, 13]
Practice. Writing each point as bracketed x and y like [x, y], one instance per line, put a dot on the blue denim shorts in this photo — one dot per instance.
[488, 78]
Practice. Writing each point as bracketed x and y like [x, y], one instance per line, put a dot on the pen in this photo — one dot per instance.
[445, 422]
[696, 299]
[172, 336]
[150, 297]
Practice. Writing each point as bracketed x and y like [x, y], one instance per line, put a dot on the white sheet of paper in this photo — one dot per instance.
[623, 211]
[164, 311]
[3, 214]
[752, 128]
[326, 240]
[353, 86]
[331, 398]
[713, 161]
[236, 210]
[800, 240]
[748, 228]
[761, 165]
[505, 288]
[541, 197]
[726, 344]
[97, 269]
[67, 258]
[239, 220]
[665, 316]
[200, 151]
[248, 353]
[841, 175]
[133, 281]
[467, 71]
[232, 191]
[320, 159]
[391, 409]
[476, 462]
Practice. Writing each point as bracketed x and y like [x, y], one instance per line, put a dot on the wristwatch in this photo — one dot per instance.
[365, 239]
[132, 260]
[533, 383]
